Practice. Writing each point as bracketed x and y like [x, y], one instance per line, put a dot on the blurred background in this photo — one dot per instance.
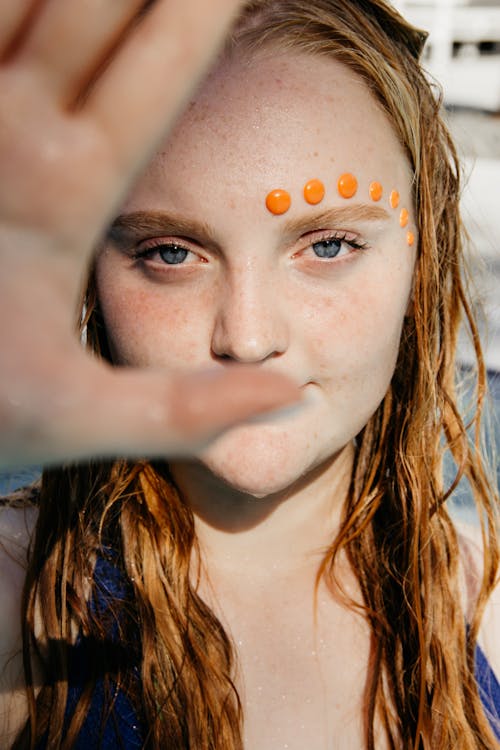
[462, 53]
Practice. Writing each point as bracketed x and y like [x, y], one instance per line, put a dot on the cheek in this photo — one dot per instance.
[354, 333]
[152, 328]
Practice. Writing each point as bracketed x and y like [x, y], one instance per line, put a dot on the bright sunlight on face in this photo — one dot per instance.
[201, 273]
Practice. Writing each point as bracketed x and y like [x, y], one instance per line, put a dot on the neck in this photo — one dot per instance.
[270, 536]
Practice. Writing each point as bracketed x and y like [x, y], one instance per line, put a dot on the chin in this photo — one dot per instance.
[259, 486]
[259, 462]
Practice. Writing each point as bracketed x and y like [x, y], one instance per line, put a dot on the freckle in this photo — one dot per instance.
[347, 185]
[410, 238]
[403, 217]
[278, 202]
[376, 191]
[315, 153]
[314, 192]
[394, 199]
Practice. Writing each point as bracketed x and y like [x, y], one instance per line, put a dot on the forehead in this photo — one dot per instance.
[274, 121]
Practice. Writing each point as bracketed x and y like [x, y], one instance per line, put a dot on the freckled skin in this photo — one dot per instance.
[333, 325]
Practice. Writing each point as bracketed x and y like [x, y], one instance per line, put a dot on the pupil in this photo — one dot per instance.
[172, 254]
[327, 248]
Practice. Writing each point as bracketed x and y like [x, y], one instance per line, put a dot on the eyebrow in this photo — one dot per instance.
[134, 226]
[339, 215]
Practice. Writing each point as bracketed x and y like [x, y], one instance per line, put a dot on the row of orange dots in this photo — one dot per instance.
[279, 201]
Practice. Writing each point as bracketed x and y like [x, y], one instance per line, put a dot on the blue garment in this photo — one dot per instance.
[489, 691]
[123, 728]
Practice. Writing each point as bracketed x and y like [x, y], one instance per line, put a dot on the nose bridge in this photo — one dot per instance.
[249, 325]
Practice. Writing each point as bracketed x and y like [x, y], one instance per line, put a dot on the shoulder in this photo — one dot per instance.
[471, 555]
[18, 512]
[17, 521]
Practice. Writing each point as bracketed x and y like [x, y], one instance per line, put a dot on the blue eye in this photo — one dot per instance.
[327, 248]
[166, 254]
[172, 254]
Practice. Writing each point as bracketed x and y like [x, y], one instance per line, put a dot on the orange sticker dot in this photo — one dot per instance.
[347, 185]
[410, 238]
[278, 202]
[376, 191]
[403, 217]
[314, 192]
[394, 199]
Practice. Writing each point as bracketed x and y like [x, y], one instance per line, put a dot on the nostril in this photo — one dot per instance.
[248, 329]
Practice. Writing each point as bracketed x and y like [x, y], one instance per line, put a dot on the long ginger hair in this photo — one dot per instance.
[396, 528]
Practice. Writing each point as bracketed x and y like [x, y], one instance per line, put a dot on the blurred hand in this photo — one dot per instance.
[88, 88]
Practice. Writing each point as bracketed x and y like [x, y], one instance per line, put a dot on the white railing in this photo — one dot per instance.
[469, 79]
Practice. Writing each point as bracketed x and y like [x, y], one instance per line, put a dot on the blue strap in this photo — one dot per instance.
[103, 729]
[122, 728]
[489, 690]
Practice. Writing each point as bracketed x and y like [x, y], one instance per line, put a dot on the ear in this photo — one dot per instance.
[410, 309]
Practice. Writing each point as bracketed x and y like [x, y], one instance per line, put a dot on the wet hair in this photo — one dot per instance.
[396, 529]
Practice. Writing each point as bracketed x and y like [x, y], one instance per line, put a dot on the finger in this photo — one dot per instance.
[14, 20]
[123, 413]
[154, 73]
[178, 413]
[70, 39]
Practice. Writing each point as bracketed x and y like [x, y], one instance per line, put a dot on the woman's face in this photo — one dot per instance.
[200, 273]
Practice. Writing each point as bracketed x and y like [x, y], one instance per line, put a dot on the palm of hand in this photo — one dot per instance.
[68, 153]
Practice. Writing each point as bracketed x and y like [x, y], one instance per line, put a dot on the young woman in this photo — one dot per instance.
[299, 582]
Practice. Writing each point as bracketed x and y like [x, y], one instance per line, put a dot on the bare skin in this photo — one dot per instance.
[68, 153]
[267, 495]
[250, 287]
[300, 675]
[300, 678]
[16, 526]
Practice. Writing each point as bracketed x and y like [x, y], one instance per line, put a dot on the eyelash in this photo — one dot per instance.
[349, 239]
[146, 253]
[354, 243]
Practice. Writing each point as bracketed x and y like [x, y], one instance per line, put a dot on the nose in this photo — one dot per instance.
[250, 324]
